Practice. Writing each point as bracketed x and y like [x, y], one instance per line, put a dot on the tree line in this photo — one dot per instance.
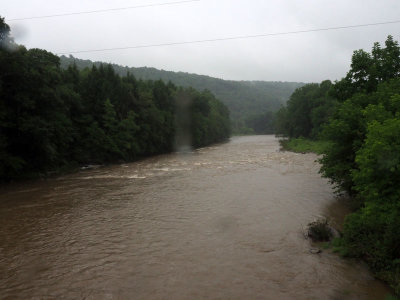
[53, 119]
[360, 117]
[252, 104]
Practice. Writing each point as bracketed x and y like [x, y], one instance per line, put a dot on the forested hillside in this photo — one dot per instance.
[251, 103]
[53, 119]
[359, 117]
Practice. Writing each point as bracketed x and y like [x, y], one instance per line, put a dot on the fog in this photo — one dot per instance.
[307, 57]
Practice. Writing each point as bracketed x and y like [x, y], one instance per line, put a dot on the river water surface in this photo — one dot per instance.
[223, 222]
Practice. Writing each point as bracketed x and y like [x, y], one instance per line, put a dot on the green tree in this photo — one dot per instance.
[126, 138]
[347, 130]
[364, 158]
[52, 119]
[378, 160]
[261, 123]
[373, 232]
[368, 70]
[307, 110]
[6, 41]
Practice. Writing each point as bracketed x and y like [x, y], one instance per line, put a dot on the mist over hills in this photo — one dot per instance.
[251, 103]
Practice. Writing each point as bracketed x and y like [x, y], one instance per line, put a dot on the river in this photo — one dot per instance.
[222, 222]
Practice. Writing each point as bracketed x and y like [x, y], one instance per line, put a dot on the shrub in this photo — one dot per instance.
[319, 230]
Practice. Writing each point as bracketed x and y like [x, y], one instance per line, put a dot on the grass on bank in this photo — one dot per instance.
[302, 145]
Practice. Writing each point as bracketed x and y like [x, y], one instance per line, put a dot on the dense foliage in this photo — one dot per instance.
[365, 94]
[308, 108]
[248, 101]
[347, 131]
[363, 158]
[52, 118]
[257, 123]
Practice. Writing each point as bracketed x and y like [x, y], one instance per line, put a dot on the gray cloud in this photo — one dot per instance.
[303, 57]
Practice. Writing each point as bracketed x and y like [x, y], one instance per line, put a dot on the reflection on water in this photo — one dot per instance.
[222, 222]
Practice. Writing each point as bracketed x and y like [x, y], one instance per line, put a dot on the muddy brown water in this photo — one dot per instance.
[223, 222]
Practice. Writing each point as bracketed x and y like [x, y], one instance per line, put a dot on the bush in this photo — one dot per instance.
[373, 233]
[319, 230]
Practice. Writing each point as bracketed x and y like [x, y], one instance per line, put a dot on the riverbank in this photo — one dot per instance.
[343, 245]
[301, 145]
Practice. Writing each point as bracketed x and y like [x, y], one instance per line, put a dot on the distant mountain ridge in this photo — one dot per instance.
[245, 99]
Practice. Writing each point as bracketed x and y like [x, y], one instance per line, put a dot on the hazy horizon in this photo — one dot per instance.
[302, 57]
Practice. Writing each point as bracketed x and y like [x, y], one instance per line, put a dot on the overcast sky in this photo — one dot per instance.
[305, 57]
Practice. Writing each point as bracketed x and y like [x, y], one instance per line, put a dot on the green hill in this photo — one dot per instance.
[249, 102]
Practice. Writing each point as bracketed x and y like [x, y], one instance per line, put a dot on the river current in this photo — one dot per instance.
[221, 222]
